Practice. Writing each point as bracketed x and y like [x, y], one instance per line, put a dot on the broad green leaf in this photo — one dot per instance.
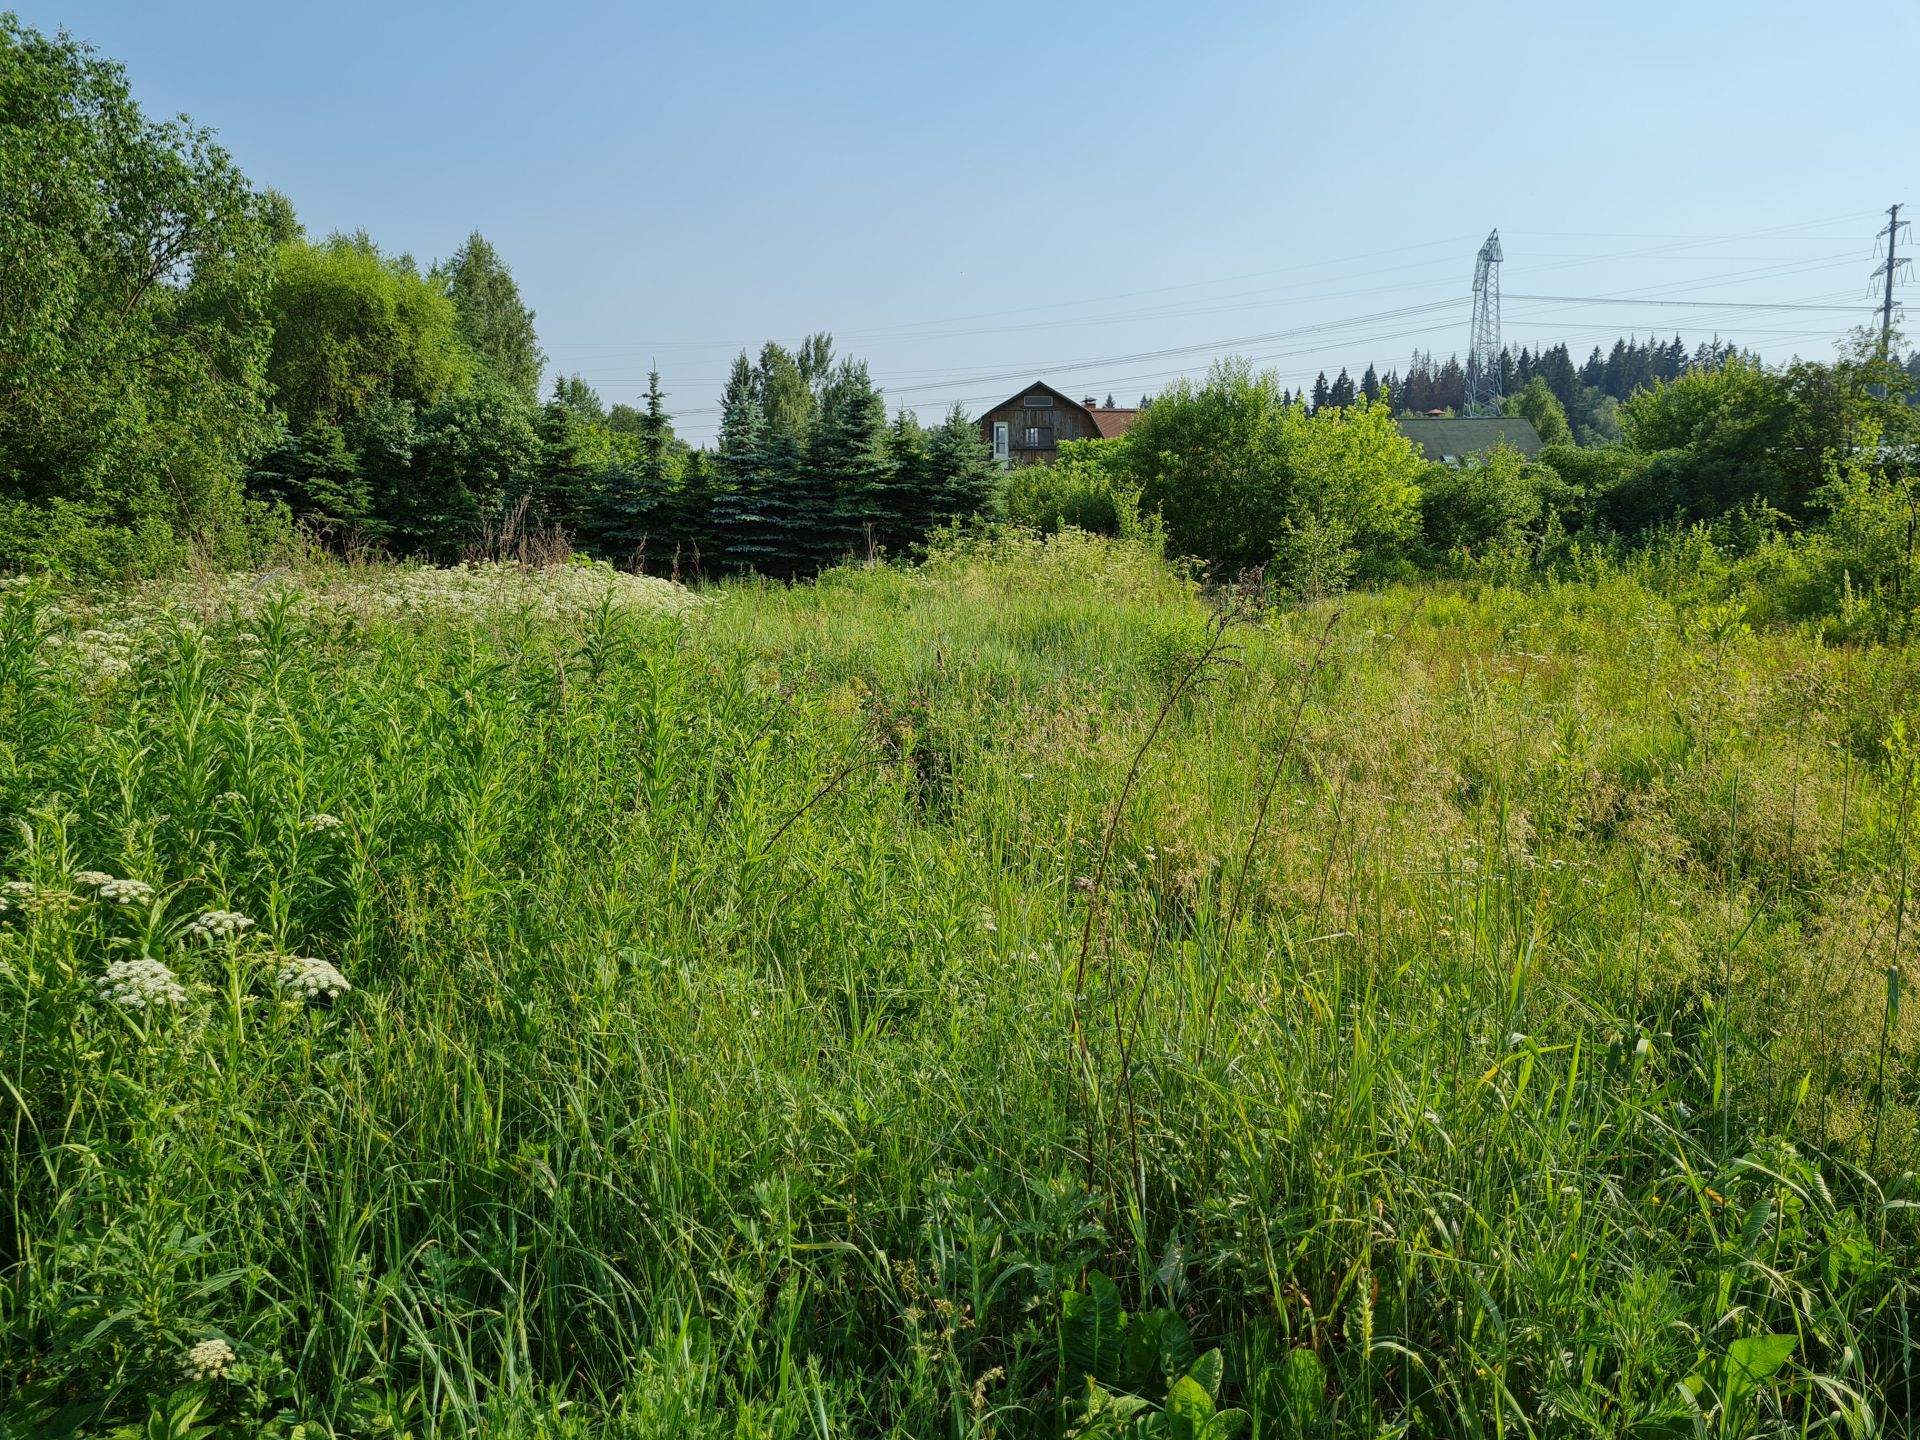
[1751, 1362]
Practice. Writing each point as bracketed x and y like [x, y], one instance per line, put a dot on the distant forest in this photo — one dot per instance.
[1589, 393]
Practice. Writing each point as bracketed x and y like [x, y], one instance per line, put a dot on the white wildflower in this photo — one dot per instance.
[125, 892]
[310, 978]
[988, 922]
[209, 1360]
[92, 879]
[229, 797]
[15, 895]
[140, 984]
[216, 925]
[319, 824]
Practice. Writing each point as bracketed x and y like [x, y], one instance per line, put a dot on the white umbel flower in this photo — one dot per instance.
[217, 925]
[15, 895]
[319, 824]
[311, 978]
[92, 879]
[125, 892]
[141, 984]
[209, 1360]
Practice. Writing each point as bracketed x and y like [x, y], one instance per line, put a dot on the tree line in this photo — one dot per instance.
[183, 368]
[1589, 394]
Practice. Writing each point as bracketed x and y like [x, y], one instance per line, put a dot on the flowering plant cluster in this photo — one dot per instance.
[216, 925]
[208, 1360]
[309, 978]
[143, 984]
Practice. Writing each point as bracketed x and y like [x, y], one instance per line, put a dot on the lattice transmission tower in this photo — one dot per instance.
[1483, 358]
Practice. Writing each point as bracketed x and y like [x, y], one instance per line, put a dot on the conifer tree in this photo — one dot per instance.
[914, 499]
[748, 528]
[963, 478]
[1322, 393]
[638, 512]
[1341, 396]
[566, 493]
[846, 467]
[1370, 383]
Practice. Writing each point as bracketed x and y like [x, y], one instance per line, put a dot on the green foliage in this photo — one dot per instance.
[493, 321]
[1496, 501]
[1090, 487]
[351, 326]
[1242, 480]
[1536, 401]
[134, 264]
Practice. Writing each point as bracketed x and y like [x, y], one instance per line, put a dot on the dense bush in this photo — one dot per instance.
[1088, 488]
[1241, 479]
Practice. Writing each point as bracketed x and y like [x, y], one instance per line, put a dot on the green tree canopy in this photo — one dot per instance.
[494, 322]
[134, 266]
[1243, 480]
[1536, 401]
[350, 325]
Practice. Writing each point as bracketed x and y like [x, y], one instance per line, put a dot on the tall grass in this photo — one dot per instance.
[1484, 1024]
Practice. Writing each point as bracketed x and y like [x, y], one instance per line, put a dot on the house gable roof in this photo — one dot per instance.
[1106, 423]
[1060, 397]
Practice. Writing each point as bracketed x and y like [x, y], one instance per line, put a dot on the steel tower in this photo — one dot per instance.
[1483, 359]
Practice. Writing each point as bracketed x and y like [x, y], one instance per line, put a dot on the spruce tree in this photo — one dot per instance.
[1322, 393]
[1341, 396]
[747, 533]
[962, 475]
[913, 498]
[566, 491]
[1370, 383]
[846, 467]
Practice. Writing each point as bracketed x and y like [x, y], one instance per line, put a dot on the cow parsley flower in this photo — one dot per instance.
[141, 984]
[310, 978]
[125, 892]
[92, 879]
[209, 1360]
[229, 797]
[15, 895]
[321, 823]
[217, 925]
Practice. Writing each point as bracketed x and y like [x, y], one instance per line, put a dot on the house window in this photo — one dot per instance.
[1038, 402]
[1037, 437]
[1000, 429]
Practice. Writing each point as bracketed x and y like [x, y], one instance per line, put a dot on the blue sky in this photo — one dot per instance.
[1099, 195]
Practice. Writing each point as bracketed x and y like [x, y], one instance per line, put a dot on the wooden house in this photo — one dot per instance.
[1027, 428]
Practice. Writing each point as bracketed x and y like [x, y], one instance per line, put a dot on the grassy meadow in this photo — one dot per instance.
[1021, 996]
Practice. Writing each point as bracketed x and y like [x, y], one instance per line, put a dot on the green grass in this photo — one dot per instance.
[747, 1038]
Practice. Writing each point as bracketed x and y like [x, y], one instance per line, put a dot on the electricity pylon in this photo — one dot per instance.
[1483, 359]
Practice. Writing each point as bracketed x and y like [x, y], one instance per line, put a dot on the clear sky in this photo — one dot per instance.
[1099, 195]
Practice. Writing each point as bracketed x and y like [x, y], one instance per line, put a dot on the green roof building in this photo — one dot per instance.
[1452, 441]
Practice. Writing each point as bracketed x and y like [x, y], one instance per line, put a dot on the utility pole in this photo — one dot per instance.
[1888, 268]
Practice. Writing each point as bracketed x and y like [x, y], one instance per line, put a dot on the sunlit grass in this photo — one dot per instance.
[713, 1050]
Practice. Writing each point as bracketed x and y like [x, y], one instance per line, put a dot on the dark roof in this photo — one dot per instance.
[1060, 397]
[1106, 423]
[1438, 439]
